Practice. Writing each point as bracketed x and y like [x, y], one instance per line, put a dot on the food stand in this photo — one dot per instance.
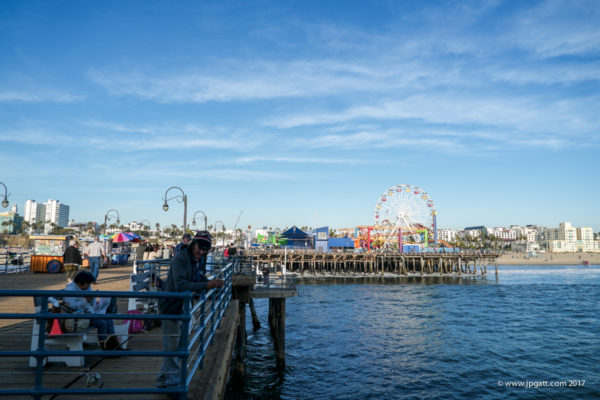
[48, 251]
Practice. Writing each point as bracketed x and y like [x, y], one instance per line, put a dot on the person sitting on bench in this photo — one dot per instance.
[83, 282]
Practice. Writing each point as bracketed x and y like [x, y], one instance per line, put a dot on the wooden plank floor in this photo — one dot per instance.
[123, 371]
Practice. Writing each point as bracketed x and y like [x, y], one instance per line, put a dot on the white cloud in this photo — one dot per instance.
[528, 116]
[38, 96]
[556, 28]
[294, 160]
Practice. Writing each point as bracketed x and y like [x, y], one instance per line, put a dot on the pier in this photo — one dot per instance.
[213, 337]
[312, 264]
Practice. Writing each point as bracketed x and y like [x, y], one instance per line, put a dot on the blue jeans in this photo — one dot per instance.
[95, 266]
[170, 371]
[104, 326]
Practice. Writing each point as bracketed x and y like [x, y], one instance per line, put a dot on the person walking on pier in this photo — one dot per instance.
[185, 240]
[265, 271]
[95, 254]
[186, 274]
[72, 260]
[140, 250]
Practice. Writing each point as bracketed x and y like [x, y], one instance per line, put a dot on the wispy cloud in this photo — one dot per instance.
[525, 116]
[294, 160]
[259, 80]
[168, 136]
[557, 28]
[38, 96]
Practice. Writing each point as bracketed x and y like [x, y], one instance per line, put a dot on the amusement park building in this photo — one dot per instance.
[297, 238]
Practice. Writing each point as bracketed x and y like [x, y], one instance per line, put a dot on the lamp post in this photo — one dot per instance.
[182, 198]
[205, 219]
[149, 226]
[5, 200]
[222, 227]
[106, 217]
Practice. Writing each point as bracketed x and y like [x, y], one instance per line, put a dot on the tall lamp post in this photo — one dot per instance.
[149, 226]
[5, 200]
[222, 227]
[106, 217]
[181, 198]
[205, 219]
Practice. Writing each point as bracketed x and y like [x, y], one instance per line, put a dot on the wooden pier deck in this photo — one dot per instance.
[123, 371]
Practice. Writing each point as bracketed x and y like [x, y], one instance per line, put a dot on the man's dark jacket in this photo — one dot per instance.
[180, 279]
[72, 256]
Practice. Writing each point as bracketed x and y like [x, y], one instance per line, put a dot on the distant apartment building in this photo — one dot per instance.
[504, 233]
[475, 231]
[447, 235]
[569, 239]
[57, 213]
[51, 212]
[34, 212]
[10, 222]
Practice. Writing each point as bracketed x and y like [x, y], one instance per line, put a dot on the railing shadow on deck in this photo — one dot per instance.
[202, 313]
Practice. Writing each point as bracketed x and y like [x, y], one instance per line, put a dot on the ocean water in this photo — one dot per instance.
[533, 327]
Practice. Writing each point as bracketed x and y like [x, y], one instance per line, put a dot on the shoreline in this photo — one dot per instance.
[573, 259]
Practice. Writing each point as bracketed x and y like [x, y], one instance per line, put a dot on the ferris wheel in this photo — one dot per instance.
[404, 207]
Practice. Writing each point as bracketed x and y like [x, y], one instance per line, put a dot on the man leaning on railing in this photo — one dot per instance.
[186, 274]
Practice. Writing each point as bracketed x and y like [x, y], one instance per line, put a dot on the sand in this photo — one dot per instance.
[550, 259]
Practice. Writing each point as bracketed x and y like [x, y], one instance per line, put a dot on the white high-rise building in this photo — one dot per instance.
[51, 212]
[57, 213]
[447, 235]
[34, 212]
[567, 238]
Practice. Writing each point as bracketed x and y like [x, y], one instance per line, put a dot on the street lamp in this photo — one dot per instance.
[106, 217]
[5, 200]
[149, 226]
[205, 219]
[182, 198]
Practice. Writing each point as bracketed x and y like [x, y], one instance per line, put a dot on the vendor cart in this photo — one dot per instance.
[48, 251]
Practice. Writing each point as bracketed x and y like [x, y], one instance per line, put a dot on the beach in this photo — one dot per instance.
[549, 259]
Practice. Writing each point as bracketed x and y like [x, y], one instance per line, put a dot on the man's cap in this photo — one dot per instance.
[187, 236]
[204, 239]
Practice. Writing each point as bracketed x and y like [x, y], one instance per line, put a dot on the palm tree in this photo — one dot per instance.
[25, 226]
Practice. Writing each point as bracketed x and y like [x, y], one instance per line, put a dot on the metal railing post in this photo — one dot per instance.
[212, 316]
[203, 327]
[183, 344]
[39, 369]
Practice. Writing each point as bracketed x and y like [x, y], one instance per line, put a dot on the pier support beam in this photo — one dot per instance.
[255, 320]
[240, 343]
[277, 324]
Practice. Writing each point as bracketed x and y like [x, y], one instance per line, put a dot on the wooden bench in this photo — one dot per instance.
[73, 341]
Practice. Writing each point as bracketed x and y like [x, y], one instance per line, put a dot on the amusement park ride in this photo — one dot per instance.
[404, 217]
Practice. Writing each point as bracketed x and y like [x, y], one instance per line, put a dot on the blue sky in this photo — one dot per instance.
[303, 112]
